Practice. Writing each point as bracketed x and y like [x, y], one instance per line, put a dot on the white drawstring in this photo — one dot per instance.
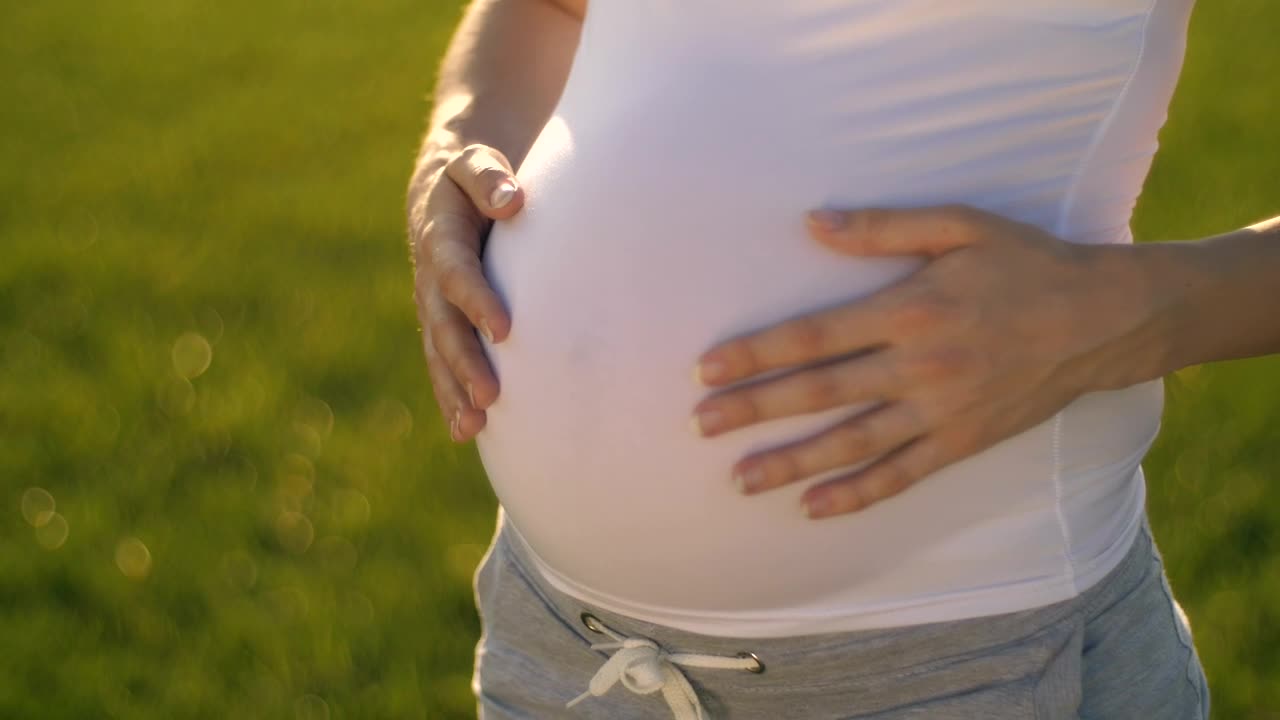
[645, 668]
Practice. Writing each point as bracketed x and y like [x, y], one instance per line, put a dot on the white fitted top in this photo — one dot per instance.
[665, 204]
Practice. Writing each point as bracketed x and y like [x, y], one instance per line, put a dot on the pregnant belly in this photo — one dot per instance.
[618, 276]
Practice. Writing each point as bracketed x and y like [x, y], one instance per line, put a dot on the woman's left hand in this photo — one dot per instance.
[1003, 326]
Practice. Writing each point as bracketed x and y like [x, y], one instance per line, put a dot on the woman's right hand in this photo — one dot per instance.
[449, 218]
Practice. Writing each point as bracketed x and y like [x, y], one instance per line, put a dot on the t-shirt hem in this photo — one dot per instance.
[818, 619]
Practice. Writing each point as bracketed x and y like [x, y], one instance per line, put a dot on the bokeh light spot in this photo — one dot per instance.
[37, 506]
[53, 533]
[177, 396]
[390, 419]
[337, 554]
[133, 558]
[192, 355]
[308, 438]
[350, 508]
[294, 531]
[316, 414]
[210, 323]
[297, 476]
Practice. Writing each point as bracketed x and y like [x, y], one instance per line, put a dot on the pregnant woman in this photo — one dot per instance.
[810, 356]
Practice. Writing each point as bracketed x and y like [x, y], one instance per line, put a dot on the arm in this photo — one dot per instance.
[499, 82]
[1212, 299]
[500, 79]
[1001, 328]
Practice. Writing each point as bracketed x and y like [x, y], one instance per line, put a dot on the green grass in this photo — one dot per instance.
[236, 170]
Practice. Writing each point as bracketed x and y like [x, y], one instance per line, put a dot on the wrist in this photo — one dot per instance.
[1172, 283]
[1226, 285]
[1182, 291]
[1131, 305]
[439, 146]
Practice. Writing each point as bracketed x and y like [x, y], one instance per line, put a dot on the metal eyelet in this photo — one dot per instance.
[759, 668]
[592, 623]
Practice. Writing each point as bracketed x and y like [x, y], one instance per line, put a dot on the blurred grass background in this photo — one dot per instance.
[226, 489]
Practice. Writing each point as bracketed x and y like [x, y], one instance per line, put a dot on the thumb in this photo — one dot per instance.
[882, 231]
[485, 175]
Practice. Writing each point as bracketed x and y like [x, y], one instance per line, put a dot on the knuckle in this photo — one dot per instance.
[960, 212]
[961, 399]
[819, 389]
[750, 410]
[919, 315]
[452, 279]
[455, 164]
[438, 372]
[442, 229]
[871, 223]
[428, 347]
[440, 385]
[807, 335]
[961, 441]
[438, 328]
[488, 176]
[854, 440]
[441, 327]
[786, 467]
[893, 479]
[856, 495]
[467, 156]
[420, 293]
[743, 355]
[743, 408]
[939, 365]
[824, 452]
[425, 240]
[906, 474]
[959, 221]
[428, 310]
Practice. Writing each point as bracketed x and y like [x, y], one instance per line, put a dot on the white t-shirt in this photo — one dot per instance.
[665, 205]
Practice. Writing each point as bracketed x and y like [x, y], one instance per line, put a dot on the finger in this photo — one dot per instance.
[448, 394]
[455, 268]
[860, 438]
[928, 231]
[882, 479]
[485, 175]
[869, 376]
[828, 333]
[453, 337]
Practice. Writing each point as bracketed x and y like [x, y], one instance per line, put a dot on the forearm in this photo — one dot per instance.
[1226, 292]
[499, 81]
[1201, 301]
[1145, 310]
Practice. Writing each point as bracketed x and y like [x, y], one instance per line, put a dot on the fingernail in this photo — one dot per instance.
[816, 507]
[484, 329]
[749, 480]
[709, 371]
[471, 394]
[828, 220]
[502, 195]
[455, 427]
[708, 421]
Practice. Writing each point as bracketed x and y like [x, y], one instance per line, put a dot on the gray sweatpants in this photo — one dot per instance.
[1120, 650]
